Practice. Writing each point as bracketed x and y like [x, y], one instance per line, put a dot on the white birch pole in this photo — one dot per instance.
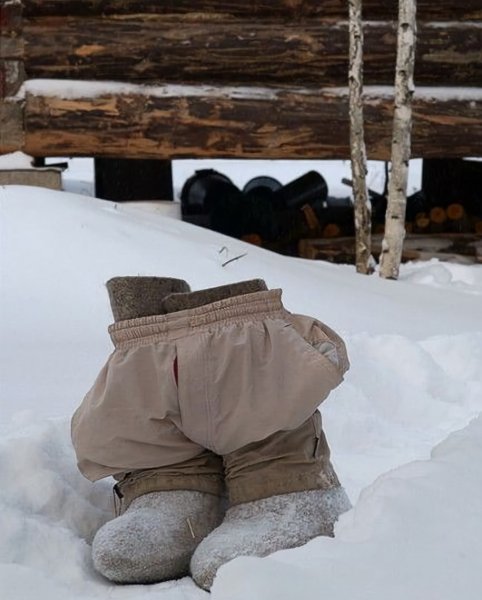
[362, 208]
[392, 245]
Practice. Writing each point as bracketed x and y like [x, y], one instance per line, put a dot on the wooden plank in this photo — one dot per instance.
[11, 126]
[174, 49]
[451, 10]
[202, 122]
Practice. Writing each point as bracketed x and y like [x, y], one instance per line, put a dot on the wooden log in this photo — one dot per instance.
[438, 215]
[438, 219]
[449, 181]
[160, 49]
[458, 220]
[11, 126]
[455, 211]
[450, 10]
[175, 121]
[331, 230]
[310, 217]
[252, 238]
[421, 223]
[478, 226]
[460, 248]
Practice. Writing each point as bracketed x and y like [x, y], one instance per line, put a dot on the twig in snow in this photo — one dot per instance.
[233, 259]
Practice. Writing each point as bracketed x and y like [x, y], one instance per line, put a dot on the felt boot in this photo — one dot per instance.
[261, 527]
[155, 538]
[283, 492]
[163, 523]
[134, 297]
[186, 300]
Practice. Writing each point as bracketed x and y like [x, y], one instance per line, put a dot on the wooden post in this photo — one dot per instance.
[122, 179]
[11, 48]
[357, 142]
[12, 75]
[392, 245]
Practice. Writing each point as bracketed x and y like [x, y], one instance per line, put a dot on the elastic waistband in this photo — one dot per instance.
[246, 307]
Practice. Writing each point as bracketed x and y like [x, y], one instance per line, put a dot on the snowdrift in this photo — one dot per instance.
[416, 351]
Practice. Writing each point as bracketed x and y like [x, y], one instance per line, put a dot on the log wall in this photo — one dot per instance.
[441, 10]
[285, 124]
[178, 49]
[293, 50]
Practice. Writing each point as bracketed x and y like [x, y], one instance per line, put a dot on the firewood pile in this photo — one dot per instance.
[300, 219]
[462, 248]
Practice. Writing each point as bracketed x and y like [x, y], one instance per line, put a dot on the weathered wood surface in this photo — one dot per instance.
[10, 16]
[440, 10]
[11, 48]
[11, 77]
[176, 49]
[11, 126]
[47, 178]
[458, 248]
[266, 124]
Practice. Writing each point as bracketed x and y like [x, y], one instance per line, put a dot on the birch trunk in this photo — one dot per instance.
[357, 142]
[392, 245]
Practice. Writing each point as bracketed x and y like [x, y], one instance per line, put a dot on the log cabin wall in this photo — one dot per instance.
[254, 79]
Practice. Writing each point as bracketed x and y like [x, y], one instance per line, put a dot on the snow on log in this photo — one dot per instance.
[86, 119]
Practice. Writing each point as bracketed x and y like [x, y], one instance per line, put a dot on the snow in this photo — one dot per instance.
[415, 533]
[71, 89]
[404, 427]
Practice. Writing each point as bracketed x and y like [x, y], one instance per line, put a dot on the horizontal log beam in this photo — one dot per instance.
[452, 10]
[171, 49]
[179, 122]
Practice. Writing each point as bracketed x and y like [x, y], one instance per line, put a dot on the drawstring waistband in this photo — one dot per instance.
[253, 306]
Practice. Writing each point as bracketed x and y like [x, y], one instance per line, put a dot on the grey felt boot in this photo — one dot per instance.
[134, 297]
[264, 526]
[182, 301]
[156, 536]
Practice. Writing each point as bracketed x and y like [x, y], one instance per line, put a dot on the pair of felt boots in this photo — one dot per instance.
[169, 533]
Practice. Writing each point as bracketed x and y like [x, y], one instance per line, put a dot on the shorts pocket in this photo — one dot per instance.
[322, 339]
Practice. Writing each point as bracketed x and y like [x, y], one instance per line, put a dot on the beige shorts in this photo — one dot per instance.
[216, 377]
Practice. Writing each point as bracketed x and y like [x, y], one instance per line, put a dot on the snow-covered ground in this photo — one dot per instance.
[404, 427]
